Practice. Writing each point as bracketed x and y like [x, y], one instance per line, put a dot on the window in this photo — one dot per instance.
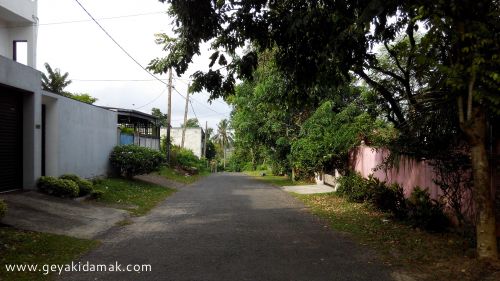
[21, 51]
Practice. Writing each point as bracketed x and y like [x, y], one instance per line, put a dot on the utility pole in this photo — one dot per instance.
[169, 114]
[205, 140]
[185, 118]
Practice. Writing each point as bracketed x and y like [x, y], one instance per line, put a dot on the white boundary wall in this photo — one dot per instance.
[79, 137]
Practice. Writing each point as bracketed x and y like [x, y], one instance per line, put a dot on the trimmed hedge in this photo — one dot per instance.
[3, 208]
[419, 210]
[131, 160]
[58, 187]
[85, 186]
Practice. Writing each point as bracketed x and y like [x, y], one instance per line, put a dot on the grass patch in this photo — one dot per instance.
[423, 255]
[274, 180]
[180, 176]
[26, 247]
[134, 196]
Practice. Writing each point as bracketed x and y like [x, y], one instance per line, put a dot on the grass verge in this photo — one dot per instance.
[179, 176]
[134, 196]
[274, 180]
[30, 248]
[422, 255]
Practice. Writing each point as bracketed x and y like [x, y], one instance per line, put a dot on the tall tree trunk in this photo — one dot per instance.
[224, 153]
[475, 129]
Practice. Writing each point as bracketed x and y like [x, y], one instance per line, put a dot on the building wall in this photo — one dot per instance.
[79, 137]
[25, 9]
[193, 139]
[18, 20]
[26, 81]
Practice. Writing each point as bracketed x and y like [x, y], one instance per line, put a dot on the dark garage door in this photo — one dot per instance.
[10, 140]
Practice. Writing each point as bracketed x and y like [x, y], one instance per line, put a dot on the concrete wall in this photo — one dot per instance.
[26, 81]
[18, 19]
[79, 137]
[193, 139]
[25, 9]
[408, 173]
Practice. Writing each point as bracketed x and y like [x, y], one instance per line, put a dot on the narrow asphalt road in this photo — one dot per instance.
[231, 227]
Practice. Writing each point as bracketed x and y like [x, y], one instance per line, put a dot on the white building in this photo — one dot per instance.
[194, 139]
[43, 133]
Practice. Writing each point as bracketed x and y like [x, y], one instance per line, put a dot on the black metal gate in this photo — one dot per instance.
[10, 139]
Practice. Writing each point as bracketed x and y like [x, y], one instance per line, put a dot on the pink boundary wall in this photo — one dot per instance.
[408, 174]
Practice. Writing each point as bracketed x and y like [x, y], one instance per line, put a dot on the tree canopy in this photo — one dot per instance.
[433, 66]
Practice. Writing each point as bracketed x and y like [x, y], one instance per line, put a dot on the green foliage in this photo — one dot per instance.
[262, 167]
[418, 210]
[54, 81]
[425, 212]
[3, 208]
[85, 186]
[211, 151]
[354, 187]
[192, 123]
[58, 187]
[96, 194]
[185, 159]
[126, 130]
[86, 98]
[328, 136]
[224, 138]
[132, 160]
[389, 199]
[162, 117]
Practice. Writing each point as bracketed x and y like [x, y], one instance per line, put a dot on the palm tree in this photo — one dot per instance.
[224, 137]
[55, 82]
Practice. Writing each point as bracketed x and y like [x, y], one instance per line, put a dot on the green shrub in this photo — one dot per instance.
[3, 208]
[185, 159]
[85, 186]
[262, 167]
[248, 167]
[97, 180]
[128, 131]
[132, 160]
[425, 212]
[58, 187]
[354, 187]
[387, 198]
[96, 194]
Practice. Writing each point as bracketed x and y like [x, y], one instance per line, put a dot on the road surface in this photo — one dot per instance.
[231, 227]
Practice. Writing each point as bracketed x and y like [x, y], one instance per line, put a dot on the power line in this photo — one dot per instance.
[117, 44]
[192, 108]
[117, 80]
[202, 116]
[153, 100]
[133, 59]
[199, 103]
[80, 21]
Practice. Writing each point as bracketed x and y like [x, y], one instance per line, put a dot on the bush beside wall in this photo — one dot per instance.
[85, 187]
[132, 160]
[58, 187]
[186, 160]
[419, 210]
[3, 208]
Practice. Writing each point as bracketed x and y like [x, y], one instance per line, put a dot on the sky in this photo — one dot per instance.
[69, 40]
